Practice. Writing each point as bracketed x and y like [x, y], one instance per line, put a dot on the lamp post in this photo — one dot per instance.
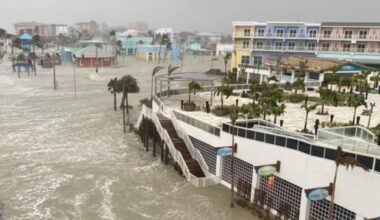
[372, 104]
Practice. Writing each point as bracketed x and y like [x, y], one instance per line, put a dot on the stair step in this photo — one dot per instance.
[181, 146]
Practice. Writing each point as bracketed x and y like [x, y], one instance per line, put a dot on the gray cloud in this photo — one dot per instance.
[200, 15]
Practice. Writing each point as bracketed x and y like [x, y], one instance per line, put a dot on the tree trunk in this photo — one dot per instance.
[114, 99]
[323, 109]
[305, 127]
[126, 101]
[169, 87]
[159, 55]
[353, 119]
[275, 119]
[331, 206]
[122, 101]
[189, 95]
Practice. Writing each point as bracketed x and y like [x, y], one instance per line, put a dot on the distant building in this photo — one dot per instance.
[33, 28]
[130, 43]
[61, 29]
[173, 35]
[140, 26]
[257, 42]
[153, 52]
[222, 49]
[89, 27]
[93, 56]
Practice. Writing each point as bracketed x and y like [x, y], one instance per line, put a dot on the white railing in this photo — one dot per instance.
[346, 142]
[193, 151]
[288, 133]
[177, 156]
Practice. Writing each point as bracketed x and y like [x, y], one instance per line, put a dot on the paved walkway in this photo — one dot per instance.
[294, 117]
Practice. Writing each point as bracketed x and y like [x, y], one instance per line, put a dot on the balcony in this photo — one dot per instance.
[242, 35]
[285, 36]
[295, 49]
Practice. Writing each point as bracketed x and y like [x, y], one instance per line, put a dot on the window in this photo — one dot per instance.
[291, 46]
[260, 32]
[361, 48]
[311, 46]
[279, 32]
[347, 34]
[346, 47]
[327, 33]
[259, 45]
[363, 34]
[245, 44]
[314, 76]
[257, 60]
[245, 59]
[312, 33]
[292, 33]
[325, 47]
[247, 32]
[278, 46]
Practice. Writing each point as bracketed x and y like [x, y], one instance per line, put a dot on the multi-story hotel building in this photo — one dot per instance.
[44, 30]
[256, 42]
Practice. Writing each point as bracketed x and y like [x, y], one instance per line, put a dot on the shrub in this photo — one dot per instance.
[146, 102]
[295, 98]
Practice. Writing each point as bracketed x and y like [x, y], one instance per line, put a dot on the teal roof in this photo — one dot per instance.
[25, 36]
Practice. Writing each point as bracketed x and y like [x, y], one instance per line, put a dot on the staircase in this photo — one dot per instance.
[180, 145]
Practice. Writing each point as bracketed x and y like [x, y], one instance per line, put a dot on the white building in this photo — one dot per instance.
[61, 29]
[173, 35]
[294, 164]
[222, 49]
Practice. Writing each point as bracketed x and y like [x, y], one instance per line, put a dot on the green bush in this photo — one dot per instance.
[295, 98]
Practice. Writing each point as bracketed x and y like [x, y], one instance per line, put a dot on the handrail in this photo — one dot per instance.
[177, 156]
[305, 137]
[193, 151]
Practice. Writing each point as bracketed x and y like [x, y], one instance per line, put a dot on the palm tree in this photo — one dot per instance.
[155, 70]
[278, 110]
[193, 86]
[113, 88]
[298, 85]
[33, 56]
[345, 160]
[308, 109]
[226, 58]
[168, 47]
[127, 84]
[171, 69]
[356, 102]
[234, 115]
[36, 41]
[16, 43]
[326, 96]
[162, 41]
[20, 58]
[376, 79]
[223, 90]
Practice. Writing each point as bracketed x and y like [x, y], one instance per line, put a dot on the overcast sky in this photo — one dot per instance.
[193, 15]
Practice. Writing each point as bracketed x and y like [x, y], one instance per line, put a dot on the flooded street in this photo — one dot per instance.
[66, 157]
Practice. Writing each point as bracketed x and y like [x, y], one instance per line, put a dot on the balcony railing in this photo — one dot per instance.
[242, 35]
[322, 36]
[297, 49]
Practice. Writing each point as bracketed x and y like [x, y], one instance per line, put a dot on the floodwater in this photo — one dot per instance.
[66, 157]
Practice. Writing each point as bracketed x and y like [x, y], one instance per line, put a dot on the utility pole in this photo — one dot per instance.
[125, 130]
[97, 61]
[54, 79]
[75, 79]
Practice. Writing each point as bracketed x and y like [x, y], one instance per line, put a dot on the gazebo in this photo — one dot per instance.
[183, 78]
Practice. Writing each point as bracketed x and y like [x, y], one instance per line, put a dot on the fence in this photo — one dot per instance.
[197, 123]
